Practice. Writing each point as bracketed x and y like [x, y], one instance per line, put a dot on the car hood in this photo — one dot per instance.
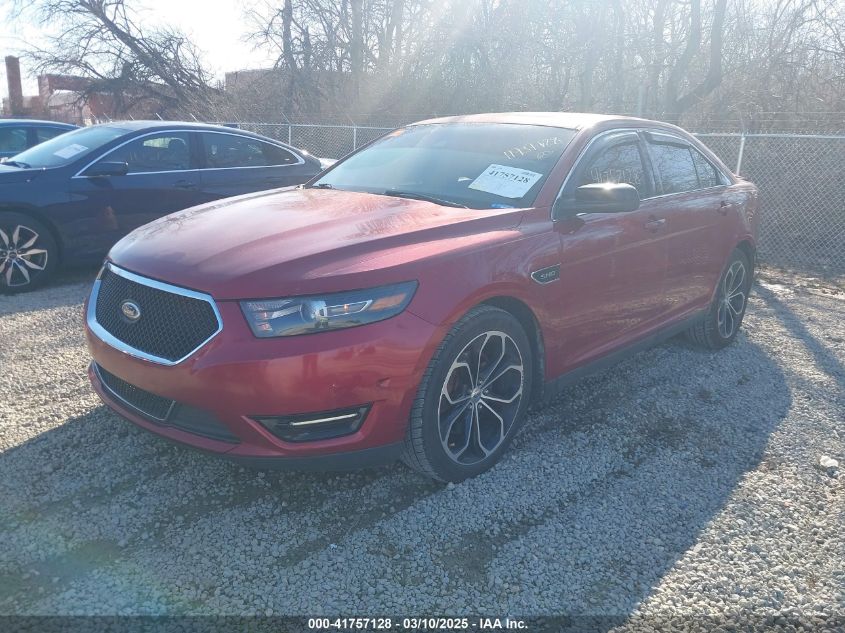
[303, 241]
[12, 175]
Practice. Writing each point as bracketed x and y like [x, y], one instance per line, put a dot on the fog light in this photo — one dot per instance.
[309, 427]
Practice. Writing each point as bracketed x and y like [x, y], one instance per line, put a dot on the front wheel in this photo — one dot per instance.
[28, 253]
[724, 317]
[473, 397]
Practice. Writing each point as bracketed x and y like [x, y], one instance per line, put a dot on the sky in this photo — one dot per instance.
[216, 27]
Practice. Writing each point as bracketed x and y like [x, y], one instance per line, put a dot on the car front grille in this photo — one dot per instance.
[171, 322]
[148, 404]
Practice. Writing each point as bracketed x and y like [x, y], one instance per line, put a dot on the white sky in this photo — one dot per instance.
[217, 28]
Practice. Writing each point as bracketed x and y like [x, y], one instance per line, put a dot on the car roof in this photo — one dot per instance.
[36, 122]
[159, 126]
[169, 125]
[570, 120]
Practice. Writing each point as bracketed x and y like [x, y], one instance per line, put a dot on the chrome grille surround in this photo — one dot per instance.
[103, 334]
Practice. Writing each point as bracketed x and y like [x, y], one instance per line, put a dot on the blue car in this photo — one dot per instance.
[17, 135]
[67, 200]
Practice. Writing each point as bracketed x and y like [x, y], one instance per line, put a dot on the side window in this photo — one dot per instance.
[165, 151]
[674, 168]
[12, 139]
[279, 155]
[46, 133]
[617, 163]
[232, 150]
[708, 175]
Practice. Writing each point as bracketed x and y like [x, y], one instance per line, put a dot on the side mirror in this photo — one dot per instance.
[105, 169]
[600, 198]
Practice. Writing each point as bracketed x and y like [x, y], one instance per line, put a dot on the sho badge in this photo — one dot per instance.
[131, 310]
[546, 275]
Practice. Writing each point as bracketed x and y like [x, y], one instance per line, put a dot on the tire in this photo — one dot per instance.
[28, 253]
[724, 316]
[487, 405]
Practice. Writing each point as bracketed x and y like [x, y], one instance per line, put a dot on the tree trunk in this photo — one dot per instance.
[674, 105]
[657, 53]
[356, 46]
[288, 55]
[618, 90]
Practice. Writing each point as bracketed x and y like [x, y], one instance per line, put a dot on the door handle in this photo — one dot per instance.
[654, 224]
[185, 184]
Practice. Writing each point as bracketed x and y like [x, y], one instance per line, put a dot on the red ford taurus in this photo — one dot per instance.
[414, 299]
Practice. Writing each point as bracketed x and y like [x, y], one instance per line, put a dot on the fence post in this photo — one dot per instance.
[354, 137]
[741, 152]
[290, 130]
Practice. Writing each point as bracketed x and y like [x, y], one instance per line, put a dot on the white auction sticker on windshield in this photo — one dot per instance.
[508, 182]
[70, 151]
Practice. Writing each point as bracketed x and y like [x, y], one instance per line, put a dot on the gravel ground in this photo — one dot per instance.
[679, 486]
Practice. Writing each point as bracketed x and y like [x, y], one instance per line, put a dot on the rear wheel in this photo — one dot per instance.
[28, 253]
[473, 397]
[724, 317]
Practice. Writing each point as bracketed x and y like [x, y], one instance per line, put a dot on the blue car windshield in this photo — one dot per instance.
[476, 165]
[68, 148]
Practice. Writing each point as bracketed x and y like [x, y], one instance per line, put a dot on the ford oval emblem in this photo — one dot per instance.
[131, 310]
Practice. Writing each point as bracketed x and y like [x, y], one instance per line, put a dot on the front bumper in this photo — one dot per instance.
[236, 377]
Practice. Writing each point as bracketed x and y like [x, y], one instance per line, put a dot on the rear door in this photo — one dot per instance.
[612, 265]
[235, 164]
[689, 195]
[162, 179]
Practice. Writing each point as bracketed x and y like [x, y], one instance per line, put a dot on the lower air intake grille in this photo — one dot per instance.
[150, 405]
[166, 412]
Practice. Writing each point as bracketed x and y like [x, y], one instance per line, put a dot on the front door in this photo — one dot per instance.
[612, 265]
[162, 179]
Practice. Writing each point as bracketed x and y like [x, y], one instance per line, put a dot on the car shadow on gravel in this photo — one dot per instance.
[824, 358]
[602, 494]
[637, 462]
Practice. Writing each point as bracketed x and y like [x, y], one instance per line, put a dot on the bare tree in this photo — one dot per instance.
[682, 60]
[102, 41]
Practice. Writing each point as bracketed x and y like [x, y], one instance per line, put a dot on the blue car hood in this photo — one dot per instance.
[12, 175]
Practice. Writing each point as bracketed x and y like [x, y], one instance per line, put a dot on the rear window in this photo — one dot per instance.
[674, 167]
[708, 175]
[225, 151]
[479, 165]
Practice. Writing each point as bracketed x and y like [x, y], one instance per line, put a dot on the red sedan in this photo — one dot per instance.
[414, 299]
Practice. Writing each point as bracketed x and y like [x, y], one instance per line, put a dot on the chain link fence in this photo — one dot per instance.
[802, 195]
[799, 176]
[323, 140]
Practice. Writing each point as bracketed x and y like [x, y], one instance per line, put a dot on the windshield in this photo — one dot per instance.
[479, 165]
[67, 148]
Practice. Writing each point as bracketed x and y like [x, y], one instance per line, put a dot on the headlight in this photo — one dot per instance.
[307, 315]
